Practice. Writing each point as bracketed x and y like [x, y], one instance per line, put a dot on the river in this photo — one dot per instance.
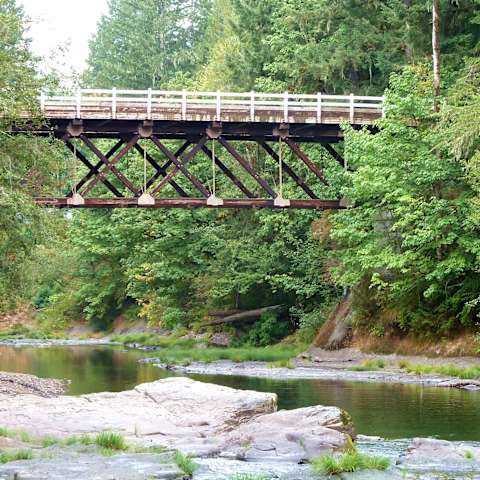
[388, 410]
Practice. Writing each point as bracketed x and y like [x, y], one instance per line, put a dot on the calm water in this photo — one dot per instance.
[391, 411]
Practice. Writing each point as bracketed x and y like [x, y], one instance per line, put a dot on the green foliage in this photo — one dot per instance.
[410, 237]
[110, 441]
[185, 463]
[449, 370]
[15, 455]
[369, 365]
[253, 354]
[269, 329]
[145, 45]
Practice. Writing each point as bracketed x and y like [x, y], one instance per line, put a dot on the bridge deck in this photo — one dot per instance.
[218, 106]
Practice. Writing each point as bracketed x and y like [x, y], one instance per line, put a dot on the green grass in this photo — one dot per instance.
[50, 441]
[369, 365]
[185, 463]
[245, 354]
[182, 351]
[348, 462]
[111, 441]
[154, 340]
[448, 370]
[282, 364]
[469, 455]
[14, 455]
[6, 432]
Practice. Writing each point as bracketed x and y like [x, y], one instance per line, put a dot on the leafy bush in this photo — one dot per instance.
[269, 329]
[14, 455]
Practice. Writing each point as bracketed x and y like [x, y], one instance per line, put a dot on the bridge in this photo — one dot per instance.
[209, 123]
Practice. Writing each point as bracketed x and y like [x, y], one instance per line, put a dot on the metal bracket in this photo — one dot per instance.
[214, 130]
[145, 129]
[75, 128]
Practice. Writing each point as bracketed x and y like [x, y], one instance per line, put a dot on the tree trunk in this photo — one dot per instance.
[436, 53]
[247, 316]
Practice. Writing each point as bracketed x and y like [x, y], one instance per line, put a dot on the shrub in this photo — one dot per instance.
[185, 463]
[268, 330]
[111, 441]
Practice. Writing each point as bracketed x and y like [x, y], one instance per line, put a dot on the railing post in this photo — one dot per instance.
[218, 105]
[383, 106]
[319, 107]
[285, 108]
[352, 107]
[184, 105]
[42, 101]
[149, 104]
[114, 103]
[79, 100]
[252, 106]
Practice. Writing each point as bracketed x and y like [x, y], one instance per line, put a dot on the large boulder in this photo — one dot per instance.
[178, 413]
[290, 435]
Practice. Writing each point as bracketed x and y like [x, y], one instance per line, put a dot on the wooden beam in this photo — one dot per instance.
[334, 154]
[287, 169]
[181, 165]
[228, 173]
[161, 170]
[190, 203]
[248, 167]
[302, 156]
[110, 165]
[94, 169]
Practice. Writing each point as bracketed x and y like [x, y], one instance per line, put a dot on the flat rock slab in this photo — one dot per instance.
[178, 413]
[431, 455]
[138, 466]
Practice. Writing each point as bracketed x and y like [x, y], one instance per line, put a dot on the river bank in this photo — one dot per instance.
[231, 435]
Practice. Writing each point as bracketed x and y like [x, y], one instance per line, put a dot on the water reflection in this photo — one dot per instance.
[388, 410]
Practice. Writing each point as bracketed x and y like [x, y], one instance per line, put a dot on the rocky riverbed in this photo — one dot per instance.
[313, 372]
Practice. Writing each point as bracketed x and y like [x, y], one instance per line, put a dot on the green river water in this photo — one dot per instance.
[388, 410]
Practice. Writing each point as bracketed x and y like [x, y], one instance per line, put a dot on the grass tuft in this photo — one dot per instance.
[14, 455]
[466, 373]
[348, 462]
[369, 365]
[111, 441]
[185, 463]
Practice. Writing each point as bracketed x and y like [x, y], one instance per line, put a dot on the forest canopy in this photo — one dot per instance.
[408, 244]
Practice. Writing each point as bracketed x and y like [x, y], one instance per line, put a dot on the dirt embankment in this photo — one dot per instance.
[339, 332]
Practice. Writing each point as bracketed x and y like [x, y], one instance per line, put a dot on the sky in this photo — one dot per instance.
[68, 23]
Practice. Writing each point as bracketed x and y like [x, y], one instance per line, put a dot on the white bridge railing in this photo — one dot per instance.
[147, 102]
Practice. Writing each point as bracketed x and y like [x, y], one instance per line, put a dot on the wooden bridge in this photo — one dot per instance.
[206, 122]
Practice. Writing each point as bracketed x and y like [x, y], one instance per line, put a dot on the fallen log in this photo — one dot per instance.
[246, 316]
[223, 313]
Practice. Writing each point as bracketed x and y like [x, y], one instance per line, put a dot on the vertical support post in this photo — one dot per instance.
[252, 106]
[184, 105]
[42, 101]
[383, 106]
[149, 104]
[352, 108]
[319, 107]
[218, 106]
[285, 107]
[114, 103]
[79, 101]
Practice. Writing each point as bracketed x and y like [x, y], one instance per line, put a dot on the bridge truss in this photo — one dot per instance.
[147, 121]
